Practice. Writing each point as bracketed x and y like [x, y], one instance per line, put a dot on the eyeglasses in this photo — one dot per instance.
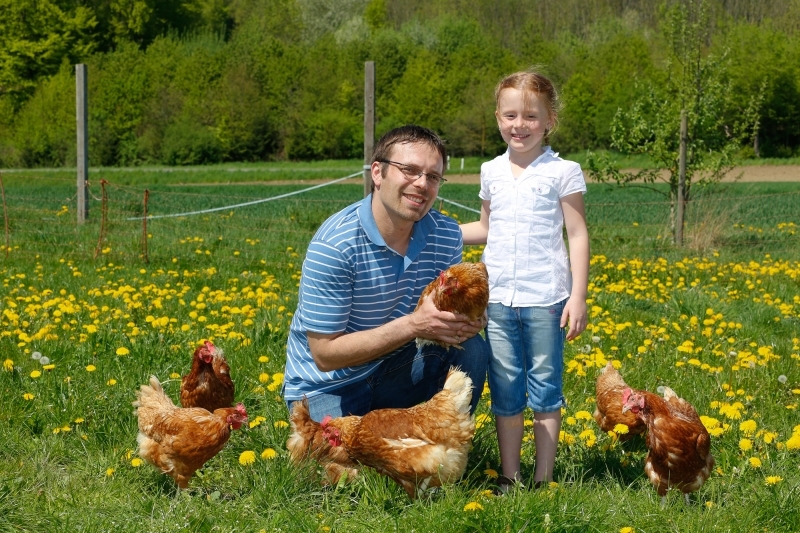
[413, 173]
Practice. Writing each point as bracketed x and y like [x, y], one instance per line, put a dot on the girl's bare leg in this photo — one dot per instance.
[509, 440]
[546, 427]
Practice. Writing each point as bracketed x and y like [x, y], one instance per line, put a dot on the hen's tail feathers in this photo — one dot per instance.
[303, 430]
[669, 393]
[460, 386]
[152, 396]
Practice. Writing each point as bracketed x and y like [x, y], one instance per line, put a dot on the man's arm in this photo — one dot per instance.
[341, 350]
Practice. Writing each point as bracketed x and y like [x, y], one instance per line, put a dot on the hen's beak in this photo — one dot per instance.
[625, 408]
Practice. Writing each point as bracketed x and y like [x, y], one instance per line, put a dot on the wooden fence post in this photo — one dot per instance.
[369, 122]
[82, 115]
[103, 219]
[681, 181]
[5, 215]
[144, 228]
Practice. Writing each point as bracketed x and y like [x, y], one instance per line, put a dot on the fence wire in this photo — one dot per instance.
[256, 221]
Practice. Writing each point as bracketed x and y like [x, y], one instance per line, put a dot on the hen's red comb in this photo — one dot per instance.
[626, 394]
[325, 420]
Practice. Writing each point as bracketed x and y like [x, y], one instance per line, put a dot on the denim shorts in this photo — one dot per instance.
[527, 358]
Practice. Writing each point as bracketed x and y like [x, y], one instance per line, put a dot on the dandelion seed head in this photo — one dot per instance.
[36, 355]
[44, 360]
[660, 389]
[782, 379]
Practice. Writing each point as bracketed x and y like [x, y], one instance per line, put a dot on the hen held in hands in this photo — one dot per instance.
[178, 441]
[418, 447]
[462, 289]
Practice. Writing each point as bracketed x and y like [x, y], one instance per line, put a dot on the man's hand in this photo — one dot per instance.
[444, 326]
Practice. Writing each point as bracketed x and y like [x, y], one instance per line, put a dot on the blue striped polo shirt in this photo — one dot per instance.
[352, 281]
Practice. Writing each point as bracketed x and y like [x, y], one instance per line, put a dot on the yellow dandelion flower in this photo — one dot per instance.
[51, 366]
[745, 445]
[491, 473]
[263, 359]
[583, 415]
[109, 472]
[28, 396]
[710, 504]
[35, 374]
[91, 368]
[136, 462]
[553, 485]
[627, 530]
[123, 351]
[269, 453]
[111, 382]
[263, 377]
[8, 365]
[247, 458]
[79, 420]
[772, 480]
[174, 375]
[748, 427]
[755, 462]
[794, 442]
[621, 429]
[281, 424]
[473, 506]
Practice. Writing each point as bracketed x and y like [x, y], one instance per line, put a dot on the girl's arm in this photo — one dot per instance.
[575, 312]
[476, 232]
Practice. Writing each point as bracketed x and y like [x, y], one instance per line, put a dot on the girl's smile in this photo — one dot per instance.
[523, 120]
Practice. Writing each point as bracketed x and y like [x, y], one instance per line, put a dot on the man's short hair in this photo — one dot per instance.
[409, 134]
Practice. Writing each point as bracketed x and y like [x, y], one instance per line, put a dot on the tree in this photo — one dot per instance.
[692, 82]
[36, 36]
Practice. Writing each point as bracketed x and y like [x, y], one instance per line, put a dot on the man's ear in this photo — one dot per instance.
[376, 174]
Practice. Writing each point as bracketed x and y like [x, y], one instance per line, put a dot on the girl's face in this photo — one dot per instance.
[522, 123]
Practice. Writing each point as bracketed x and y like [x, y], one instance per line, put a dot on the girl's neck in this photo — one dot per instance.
[521, 161]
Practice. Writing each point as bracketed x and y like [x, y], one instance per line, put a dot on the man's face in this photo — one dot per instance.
[403, 195]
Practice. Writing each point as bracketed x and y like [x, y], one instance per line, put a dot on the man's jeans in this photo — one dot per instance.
[406, 379]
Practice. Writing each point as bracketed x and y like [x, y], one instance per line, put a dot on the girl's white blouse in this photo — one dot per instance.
[525, 253]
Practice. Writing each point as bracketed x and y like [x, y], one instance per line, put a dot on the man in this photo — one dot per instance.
[351, 345]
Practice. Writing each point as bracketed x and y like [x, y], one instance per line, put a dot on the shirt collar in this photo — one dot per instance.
[547, 154]
[419, 235]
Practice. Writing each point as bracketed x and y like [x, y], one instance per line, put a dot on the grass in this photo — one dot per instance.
[719, 323]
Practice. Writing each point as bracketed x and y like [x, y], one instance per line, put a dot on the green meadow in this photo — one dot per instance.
[90, 311]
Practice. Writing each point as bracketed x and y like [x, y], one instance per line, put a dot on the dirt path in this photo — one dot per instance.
[752, 174]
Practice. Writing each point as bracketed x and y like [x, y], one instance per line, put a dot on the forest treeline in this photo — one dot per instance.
[200, 81]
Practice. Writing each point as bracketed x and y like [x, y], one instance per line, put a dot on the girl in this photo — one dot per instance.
[528, 195]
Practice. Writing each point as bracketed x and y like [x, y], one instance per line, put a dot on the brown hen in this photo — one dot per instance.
[418, 447]
[208, 384]
[608, 404]
[179, 441]
[461, 289]
[679, 446]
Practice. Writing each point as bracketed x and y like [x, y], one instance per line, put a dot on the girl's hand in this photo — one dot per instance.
[575, 314]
